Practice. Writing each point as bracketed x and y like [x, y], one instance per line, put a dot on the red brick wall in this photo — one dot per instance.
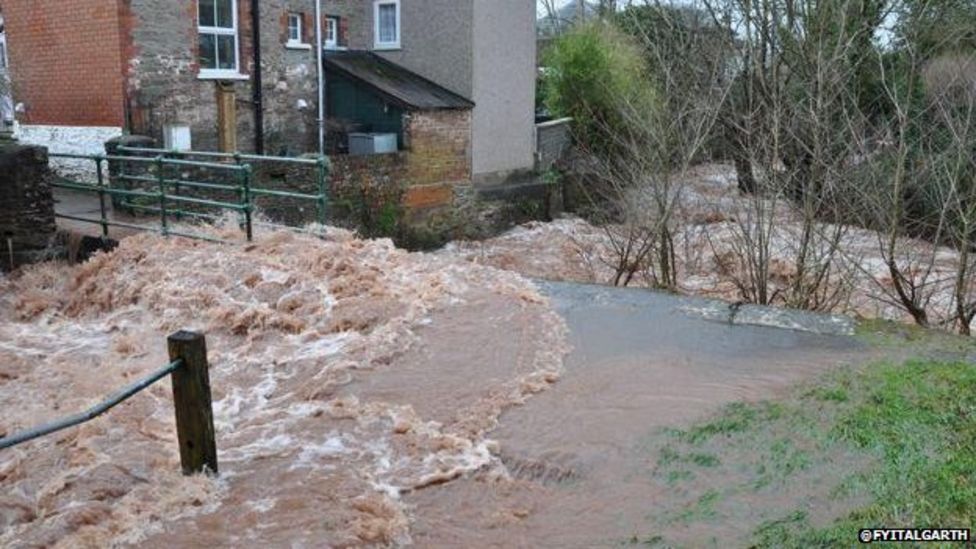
[439, 145]
[436, 160]
[65, 61]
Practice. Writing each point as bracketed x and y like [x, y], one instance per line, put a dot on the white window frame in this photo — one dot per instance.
[394, 45]
[4, 61]
[299, 44]
[292, 16]
[223, 74]
[331, 27]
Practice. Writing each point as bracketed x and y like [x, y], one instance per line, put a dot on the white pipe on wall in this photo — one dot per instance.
[321, 74]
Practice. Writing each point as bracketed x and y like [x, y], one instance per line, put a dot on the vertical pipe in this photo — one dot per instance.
[321, 74]
[101, 196]
[257, 91]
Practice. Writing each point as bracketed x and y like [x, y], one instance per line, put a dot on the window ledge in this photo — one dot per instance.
[386, 47]
[298, 46]
[209, 74]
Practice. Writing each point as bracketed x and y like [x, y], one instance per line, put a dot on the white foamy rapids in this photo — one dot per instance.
[296, 328]
[711, 220]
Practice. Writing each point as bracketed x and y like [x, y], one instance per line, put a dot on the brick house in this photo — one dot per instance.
[452, 80]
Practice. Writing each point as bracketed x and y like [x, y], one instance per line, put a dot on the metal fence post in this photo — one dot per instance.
[323, 175]
[240, 189]
[161, 178]
[101, 195]
[192, 399]
[246, 184]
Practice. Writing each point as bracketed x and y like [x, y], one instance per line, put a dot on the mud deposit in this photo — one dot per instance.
[347, 377]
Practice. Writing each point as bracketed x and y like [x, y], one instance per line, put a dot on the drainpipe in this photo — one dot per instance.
[321, 74]
[257, 92]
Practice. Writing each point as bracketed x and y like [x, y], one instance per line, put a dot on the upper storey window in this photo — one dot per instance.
[219, 48]
[386, 24]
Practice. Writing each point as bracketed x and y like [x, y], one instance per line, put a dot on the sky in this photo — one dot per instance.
[541, 10]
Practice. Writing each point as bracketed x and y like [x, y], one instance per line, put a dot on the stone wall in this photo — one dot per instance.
[435, 161]
[27, 224]
[69, 140]
[162, 72]
[428, 177]
[163, 75]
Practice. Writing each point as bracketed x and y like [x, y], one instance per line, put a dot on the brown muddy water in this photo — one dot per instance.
[312, 452]
[578, 458]
[364, 396]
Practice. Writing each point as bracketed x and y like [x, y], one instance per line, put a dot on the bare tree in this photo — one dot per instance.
[791, 127]
[951, 82]
[645, 165]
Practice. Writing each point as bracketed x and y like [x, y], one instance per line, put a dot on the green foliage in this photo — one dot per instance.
[597, 75]
[936, 28]
[670, 33]
[552, 177]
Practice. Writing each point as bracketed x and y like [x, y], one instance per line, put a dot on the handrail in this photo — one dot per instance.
[77, 419]
[192, 401]
[149, 160]
[164, 190]
[229, 156]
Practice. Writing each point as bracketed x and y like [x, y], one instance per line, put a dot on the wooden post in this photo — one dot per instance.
[226, 117]
[191, 396]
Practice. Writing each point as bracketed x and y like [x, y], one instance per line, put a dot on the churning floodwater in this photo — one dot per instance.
[364, 396]
[345, 373]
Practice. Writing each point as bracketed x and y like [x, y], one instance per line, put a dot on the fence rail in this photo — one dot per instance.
[163, 194]
[189, 369]
[111, 402]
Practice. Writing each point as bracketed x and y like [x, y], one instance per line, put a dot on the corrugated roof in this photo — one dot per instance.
[401, 86]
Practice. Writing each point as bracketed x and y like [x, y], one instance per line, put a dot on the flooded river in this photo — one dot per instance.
[345, 373]
[364, 396]
[579, 458]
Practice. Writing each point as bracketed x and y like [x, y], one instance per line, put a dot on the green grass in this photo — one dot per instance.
[737, 417]
[702, 509]
[912, 423]
[914, 339]
[919, 420]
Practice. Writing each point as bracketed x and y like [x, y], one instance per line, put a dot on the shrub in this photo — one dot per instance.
[598, 76]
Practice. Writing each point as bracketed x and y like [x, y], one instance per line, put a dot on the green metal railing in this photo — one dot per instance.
[320, 165]
[160, 192]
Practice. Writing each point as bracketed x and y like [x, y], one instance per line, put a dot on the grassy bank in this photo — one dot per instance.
[890, 444]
